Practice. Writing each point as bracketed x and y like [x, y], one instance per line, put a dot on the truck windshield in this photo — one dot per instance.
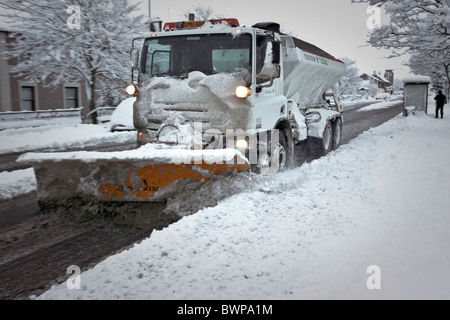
[176, 56]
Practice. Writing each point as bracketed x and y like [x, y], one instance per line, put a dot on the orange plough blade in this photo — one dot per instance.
[123, 176]
[143, 183]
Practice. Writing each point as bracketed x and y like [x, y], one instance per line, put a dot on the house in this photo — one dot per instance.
[17, 94]
[383, 83]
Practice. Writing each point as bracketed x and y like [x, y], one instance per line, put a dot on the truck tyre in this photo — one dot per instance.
[282, 150]
[321, 147]
[281, 155]
[337, 134]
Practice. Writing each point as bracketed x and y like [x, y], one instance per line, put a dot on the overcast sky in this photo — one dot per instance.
[336, 26]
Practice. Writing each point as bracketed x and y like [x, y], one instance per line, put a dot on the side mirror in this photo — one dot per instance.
[271, 67]
[134, 59]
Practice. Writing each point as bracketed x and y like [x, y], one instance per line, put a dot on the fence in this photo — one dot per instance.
[18, 116]
[18, 119]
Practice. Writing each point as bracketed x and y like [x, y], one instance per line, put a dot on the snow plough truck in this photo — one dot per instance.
[212, 97]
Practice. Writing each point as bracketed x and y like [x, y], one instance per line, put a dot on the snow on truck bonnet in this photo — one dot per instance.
[207, 99]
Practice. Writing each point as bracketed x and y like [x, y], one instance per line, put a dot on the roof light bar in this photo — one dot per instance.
[197, 24]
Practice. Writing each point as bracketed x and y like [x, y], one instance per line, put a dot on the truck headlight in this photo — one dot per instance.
[243, 92]
[131, 89]
[241, 144]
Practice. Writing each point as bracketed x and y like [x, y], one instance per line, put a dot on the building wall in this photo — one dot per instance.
[5, 89]
[389, 76]
[45, 98]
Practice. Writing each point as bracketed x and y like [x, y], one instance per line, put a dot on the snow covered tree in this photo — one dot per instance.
[398, 84]
[202, 12]
[373, 89]
[437, 66]
[420, 27]
[351, 81]
[73, 41]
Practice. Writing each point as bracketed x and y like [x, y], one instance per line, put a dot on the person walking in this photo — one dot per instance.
[441, 100]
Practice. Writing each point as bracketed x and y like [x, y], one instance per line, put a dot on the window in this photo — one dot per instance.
[28, 99]
[176, 56]
[71, 96]
[226, 60]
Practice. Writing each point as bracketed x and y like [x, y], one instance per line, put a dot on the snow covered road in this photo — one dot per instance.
[369, 221]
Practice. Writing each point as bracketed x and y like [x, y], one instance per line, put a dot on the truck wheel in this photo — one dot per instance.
[281, 151]
[321, 147]
[280, 154]
[337, 134]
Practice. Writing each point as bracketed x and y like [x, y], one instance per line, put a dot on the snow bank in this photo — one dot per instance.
[60, 137]
[379, 105]
[309, 233]
[17, 183]
[218, 26]
[123, 114]
[346, 104]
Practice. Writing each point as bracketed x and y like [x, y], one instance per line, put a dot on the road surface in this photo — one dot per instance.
[356, 122]
[37, 248]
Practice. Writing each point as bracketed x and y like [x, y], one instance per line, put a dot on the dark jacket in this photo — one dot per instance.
[440, 100]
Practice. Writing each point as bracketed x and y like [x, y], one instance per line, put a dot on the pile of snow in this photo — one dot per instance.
[176, 131]
[17, 183]
[315, 232]
[210, 98]
[348, 103]
[218, 26]
[379, 105]
[122, 117]
[60, 137]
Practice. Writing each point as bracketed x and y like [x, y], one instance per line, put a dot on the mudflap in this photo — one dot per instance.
[119, 181]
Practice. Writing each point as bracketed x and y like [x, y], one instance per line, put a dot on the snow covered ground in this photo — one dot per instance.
[60, 137]
[17, 183]
[368, 221]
